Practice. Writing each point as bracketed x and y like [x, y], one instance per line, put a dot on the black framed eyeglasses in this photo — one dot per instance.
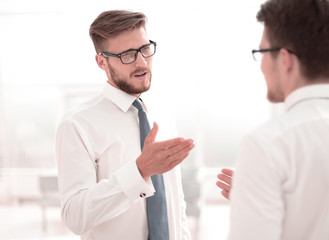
[130, 56]
[258, 53]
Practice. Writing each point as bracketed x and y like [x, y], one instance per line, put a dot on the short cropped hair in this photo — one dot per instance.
[301, 26]
[112, 23]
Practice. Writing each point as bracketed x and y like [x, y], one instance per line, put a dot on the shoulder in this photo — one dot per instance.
[285, 127]
[266, 144]
[88, 109]
[275, 129]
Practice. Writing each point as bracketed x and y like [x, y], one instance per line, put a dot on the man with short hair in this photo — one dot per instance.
[281, 179]
[106, 169]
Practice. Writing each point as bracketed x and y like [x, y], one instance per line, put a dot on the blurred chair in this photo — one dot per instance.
[49, 196]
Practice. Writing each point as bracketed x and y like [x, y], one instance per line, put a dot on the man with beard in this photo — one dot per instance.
[105, 168]
[281, 177]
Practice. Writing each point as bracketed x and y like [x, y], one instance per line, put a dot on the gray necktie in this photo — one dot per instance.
[156, 205]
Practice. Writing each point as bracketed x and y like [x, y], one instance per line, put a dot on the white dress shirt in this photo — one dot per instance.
[101, 190]
[281, 183]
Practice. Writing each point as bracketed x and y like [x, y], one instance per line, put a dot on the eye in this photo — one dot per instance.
[147, 50]
[128, 55]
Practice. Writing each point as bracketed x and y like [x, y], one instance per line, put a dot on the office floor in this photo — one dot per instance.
[23, 221]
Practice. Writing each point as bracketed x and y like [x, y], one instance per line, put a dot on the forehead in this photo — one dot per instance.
[128, 40]
[264, 43]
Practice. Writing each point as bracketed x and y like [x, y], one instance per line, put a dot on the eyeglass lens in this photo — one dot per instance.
[257, 56]
[131, 56]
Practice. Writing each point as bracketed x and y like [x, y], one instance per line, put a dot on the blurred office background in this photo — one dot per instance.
[203, 68]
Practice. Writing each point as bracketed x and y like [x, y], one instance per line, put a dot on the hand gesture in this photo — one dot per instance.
[160, 157]
[225, 182]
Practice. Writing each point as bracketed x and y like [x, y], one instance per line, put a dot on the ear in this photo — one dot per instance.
[101, 61]
[287, 60]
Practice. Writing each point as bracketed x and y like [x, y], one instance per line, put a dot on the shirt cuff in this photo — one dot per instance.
[132, 183]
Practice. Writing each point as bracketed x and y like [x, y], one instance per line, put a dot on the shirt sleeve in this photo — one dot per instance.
[85, 202]
[256, 200]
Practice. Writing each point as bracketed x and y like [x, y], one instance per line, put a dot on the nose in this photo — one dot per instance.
[140, 60]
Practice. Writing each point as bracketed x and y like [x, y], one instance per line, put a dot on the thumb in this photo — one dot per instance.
[152, 134]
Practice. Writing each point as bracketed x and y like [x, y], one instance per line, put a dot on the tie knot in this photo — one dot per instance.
[138, 105]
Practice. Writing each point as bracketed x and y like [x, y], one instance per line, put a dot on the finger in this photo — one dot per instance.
[187, 144]
[223, 186]
[177, 158]
[170, 143]
[180, 154]
[152, 134]
[225, 178]
[180, 141]
[228, 172]
[226, 194]
[174, 163]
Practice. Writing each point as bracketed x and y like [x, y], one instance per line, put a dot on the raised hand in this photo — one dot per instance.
[225, 182]
[160, 157]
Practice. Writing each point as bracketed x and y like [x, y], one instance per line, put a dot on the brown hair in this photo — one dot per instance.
[301, 26]
[112, 23]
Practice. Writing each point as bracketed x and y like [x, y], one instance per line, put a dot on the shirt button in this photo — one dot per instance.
[142, 195]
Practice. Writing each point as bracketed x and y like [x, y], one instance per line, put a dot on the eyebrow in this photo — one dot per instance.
[134, 49]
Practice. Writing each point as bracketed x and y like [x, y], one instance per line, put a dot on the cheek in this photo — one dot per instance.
[124, 70]
[266, 67]
[262, 66]
[265, 71]
[149, 62]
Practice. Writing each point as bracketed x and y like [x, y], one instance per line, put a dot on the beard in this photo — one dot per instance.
[122, 82]
[274, 98]
[275, 94]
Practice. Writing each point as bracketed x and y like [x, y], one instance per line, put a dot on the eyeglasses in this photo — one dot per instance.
[258, 53]
[130, 55]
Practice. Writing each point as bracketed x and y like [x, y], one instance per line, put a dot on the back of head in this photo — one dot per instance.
[303, 27]
[112, 23]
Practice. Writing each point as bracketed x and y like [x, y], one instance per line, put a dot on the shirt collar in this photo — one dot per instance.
[118, 97]
[312, 91]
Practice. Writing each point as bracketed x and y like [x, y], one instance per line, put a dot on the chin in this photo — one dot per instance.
[147, 85]
[145, 89]
[274, 99]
